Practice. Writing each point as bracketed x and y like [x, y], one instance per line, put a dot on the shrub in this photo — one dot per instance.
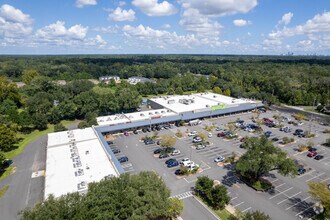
[83, 124]
[59, 127]
[287, 140]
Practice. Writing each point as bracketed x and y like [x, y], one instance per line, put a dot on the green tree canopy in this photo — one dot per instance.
[261, 157]
[7, 138]
[167, 141]
[29, 75]
[141, 196]
[321, 192]
[256, 215]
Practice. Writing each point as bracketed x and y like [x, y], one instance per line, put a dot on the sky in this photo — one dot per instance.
[261, 27]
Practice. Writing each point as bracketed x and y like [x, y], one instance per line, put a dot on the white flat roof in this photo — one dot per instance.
[60, 138]
[197, 102]
[112, 119]
[135, 116]
[72, 165]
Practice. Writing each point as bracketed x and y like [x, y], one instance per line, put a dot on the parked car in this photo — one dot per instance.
[125, 133]
[301, 170]
[209, 135]
[319, 157]
[115, 150]
[170, 160]
[178, 172]
[222, 134]
[175, 152]
[7, 163]
[123, 159]
[312, 149]
[218, 129]
[158, 142]
[149, 141]
[219, 159]
[158, 151]
[312, 154]
[173, 164]
[185, 161]
[243, 139]
[109, 142]
[197, 140]
[200, 147]
[275, 139]
[135, 132]
[192, 133]
[268, 133]
[161, 156]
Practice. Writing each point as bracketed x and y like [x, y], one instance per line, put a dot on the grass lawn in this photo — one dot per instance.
[3, 191]
[223, 214]
[27, 138]
[6, 172]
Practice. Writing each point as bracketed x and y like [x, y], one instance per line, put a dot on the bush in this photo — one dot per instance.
[59, 127]
[83, 124]
[287, 140]
[179, 134]
[326, 131]
[302, 148]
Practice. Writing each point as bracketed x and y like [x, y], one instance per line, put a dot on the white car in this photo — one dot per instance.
[192, 133]
[175, 152]
[219, 159]
[209, 135]
[192, 166]
[185, 160]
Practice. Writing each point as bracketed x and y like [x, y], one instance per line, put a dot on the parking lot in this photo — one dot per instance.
[289, 200]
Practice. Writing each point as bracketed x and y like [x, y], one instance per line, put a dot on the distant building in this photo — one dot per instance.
[106, 79]
[137, 79]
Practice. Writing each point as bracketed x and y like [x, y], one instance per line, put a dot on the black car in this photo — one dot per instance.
[7, 163]
[319, 157]
[123, 159]
[170, 161]
[275, 139]
[115, 150]
[312, 149]
[174, 164]
[109, 142]
[178, 172]
[161, 156]
[135, 132]
[301, 171]
[158, 151]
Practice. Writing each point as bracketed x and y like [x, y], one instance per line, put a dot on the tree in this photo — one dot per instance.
[227, 92]
[29, 75]
[179, 91]
[321, 192]
[8, 91]
[2, 158]
[200, 88]
[202, 135]
[217, 90]
[256, 215]
[262, 157]
[7, 138]
[204, 186]
[59, 127]
[219, 197]
[140, 196]
[83, 124]
[40, 121]
[167, 141]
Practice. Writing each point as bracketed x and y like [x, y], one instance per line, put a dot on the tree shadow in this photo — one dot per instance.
[230, 179]
[303, 207]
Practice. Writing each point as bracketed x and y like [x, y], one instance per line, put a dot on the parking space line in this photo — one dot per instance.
[314, 177]
[307, 173]
[298, 203]
[304, 210]
[325, 179]
[233, 198]
[246, 209]
[288, 198]
[280, 185]
[274, 181]
[238, 204]
[281, 193]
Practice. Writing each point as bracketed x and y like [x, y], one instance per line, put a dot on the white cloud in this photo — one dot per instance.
[83, 3]
[121, 3]
[108, 29]
[58, 32]
[286, 18]
[120, 14]
[166, 26]
[193, 21]
[159, 37]
[241, 22]
[220, 7]
[13, 22]
[153, 8]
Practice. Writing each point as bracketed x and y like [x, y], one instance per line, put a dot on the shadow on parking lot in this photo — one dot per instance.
[230, 179]
[300, 206]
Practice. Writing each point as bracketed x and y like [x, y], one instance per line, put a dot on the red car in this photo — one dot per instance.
[126, 133]
[243, 139]
[221, 134]
[312, 154]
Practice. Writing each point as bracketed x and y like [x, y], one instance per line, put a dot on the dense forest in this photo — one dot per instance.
[291, 80]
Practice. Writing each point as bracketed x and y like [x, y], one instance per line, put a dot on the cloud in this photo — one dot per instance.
[220, 7]
[121, 3]
[57, 32]
[120, 14]
[166, 26]
[159, 37]
[13, 22]
[83, 3]
[286, 18]
[109, 29]
[193, 21]
[153, 8]
[241, 22]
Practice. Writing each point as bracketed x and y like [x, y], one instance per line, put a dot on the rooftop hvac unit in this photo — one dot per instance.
[207, 106]
[172, 101]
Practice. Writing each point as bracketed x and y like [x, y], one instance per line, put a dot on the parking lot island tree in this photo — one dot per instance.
[167, 141]
[320, 191]
[256, 215]
[262, 157]
[140, 196]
